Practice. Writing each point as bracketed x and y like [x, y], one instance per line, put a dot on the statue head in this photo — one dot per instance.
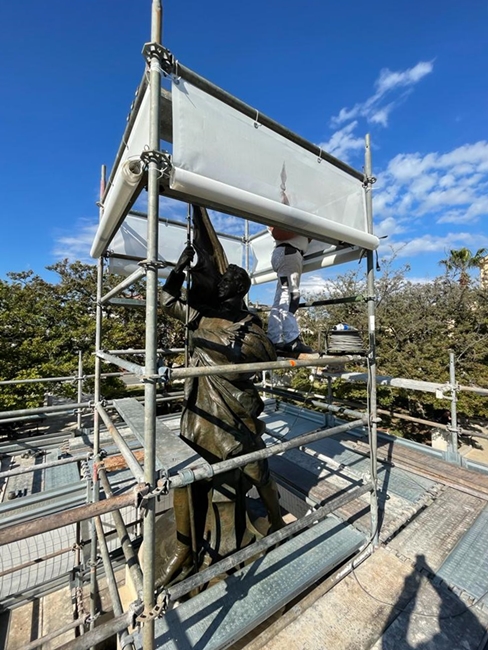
[234, 283]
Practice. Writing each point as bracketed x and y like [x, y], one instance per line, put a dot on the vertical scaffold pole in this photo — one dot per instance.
[96, 419]
[246, 242]
[80, 390]
[154, 166]
[373, 440]
[453, 428]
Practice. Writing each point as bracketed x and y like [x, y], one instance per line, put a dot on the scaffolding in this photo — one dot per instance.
[348, 234]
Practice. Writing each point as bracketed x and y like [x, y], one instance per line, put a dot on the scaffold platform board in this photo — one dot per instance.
[221, 615]
[172, 452]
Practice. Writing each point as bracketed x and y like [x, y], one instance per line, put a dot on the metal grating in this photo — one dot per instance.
[435, 532]
[223, 614]
[32, 550]
[466, 567]
[396, 481]
[55, 477]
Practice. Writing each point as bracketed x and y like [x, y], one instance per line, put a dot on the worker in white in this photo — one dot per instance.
[287, 262]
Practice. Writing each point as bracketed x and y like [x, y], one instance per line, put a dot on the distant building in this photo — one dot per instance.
[484, 273]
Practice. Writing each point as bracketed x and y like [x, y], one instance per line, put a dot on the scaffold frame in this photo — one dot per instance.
[150, 484]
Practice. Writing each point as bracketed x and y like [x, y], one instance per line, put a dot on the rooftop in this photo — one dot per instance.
[425, 585]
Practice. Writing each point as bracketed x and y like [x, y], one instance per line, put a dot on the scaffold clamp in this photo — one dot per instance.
[369, 180]
[154, 155]
[164, 373]
[161, 490]
[163, 483]
[91, 618]
[154, 49]
[127, 640]
[157, 611]
[152, 264]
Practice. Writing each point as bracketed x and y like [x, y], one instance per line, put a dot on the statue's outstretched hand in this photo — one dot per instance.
[186, 258]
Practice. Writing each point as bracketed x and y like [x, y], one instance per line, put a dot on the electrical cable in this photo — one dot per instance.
[466, 607]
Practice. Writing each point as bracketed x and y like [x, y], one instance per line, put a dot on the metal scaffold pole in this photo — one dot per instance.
[453, 442]
[96, 420]
[153, 53]
[80, 389]
[373, 414]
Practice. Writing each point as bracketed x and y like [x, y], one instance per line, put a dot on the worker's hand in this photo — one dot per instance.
[186, 258]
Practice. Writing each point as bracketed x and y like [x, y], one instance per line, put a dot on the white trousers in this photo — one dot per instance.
[287, 264]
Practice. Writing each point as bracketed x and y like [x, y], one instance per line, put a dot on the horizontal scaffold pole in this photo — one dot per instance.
[25, 414]
[105, 631]
[163, 352]
[34, 468]
[409, 384]
[285, 364]
[188, 476]
[263, 544]
[394, 382]
[52, 635]
[333, 301]
[298, 397]
[122, 363]
[67, 517]
[45, 380]
[58, 408]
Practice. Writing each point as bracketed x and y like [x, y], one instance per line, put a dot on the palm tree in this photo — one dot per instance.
[461, 260]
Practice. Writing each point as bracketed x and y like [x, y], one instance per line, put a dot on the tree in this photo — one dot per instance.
[417, 325]
[462, 260]
[43, 325]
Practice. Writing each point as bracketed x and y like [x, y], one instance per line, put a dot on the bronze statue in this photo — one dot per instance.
[220, 419]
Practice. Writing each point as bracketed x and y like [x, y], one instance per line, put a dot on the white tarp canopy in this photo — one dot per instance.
[131, 241]
[125, 181]
[226, 158]
[318, 256]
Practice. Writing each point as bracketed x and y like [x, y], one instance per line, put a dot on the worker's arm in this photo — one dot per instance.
[171, 298]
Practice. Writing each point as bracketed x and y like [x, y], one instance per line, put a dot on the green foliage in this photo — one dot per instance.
[43, 326]
[460, 261]
[417, 325]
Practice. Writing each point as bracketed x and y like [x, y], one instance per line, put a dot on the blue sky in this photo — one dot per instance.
[412, 74]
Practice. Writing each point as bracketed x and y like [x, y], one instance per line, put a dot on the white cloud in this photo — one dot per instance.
[373, 109]
[381, 116]
[389, 80]
[418, 280]
[389, 227]
[437, 243]
[76, 247]
[227, 223]
[444, 188]
[478, 207]
[313, 284]
[342, 142]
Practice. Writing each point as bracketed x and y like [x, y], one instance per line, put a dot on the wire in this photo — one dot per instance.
[404, 609]
[420, 614]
